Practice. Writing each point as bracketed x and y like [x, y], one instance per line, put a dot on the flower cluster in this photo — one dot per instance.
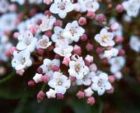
[69, 41]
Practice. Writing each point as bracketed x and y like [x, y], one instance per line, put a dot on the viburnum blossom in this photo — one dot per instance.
[61, 7]
[135, 43]
[73, 31]
[105, 38]
[132, 7]
[116, 64]
[78, 68]
[47, 23]
[44, 42]
[21, 60]
[87, 5]
[101, 83]
[59, 82]
[75, 45]
[26, 41]
[47, 66]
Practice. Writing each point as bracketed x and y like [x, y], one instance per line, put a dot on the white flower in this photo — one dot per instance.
[8, 22]
[21, 60]
[105, 38]
[4, 5]
[26, 41]
[116, 27]
[86, 80]
[37, 78]
[61, 7]
[77, 68]
[44, 42]
[132, 7]
[51, 93]
[73, 31]
[63, 49]
[135, 43]
[21, 2]
[88, 5]
[47, 23]
[88, 92]
[47, 66]
[110, 53]
[116, 63]
[59, 82]
[101, 83]
[58, 35]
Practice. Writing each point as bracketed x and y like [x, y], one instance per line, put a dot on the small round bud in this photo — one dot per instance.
[40, 96]
[91, 14]
[31, 83]
[91, 101]
[60, 96]
[80, 94]
[119, 8]
[82, 21]
[89, 47]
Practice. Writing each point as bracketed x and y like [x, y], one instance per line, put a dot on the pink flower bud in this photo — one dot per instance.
[80, 94]
[91, 14]
[101, 18]
[40, 96]
[48, 33]
[48, 2]
[111, 79]
[58, 23]
[55, 68]
[82, 21]
[119, 39]
[45, 78]
[89, 47]
[66, 61]
[84, 37]
[60, 96]
[77, 50]
[99, 50]
[31, 83]
[89, 59]
[119, 8]
[91, 101]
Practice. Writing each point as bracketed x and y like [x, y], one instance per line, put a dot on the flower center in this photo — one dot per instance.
[59, 82]
[43, 43]
[105, 38]
[62, 5]
[77, 67]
